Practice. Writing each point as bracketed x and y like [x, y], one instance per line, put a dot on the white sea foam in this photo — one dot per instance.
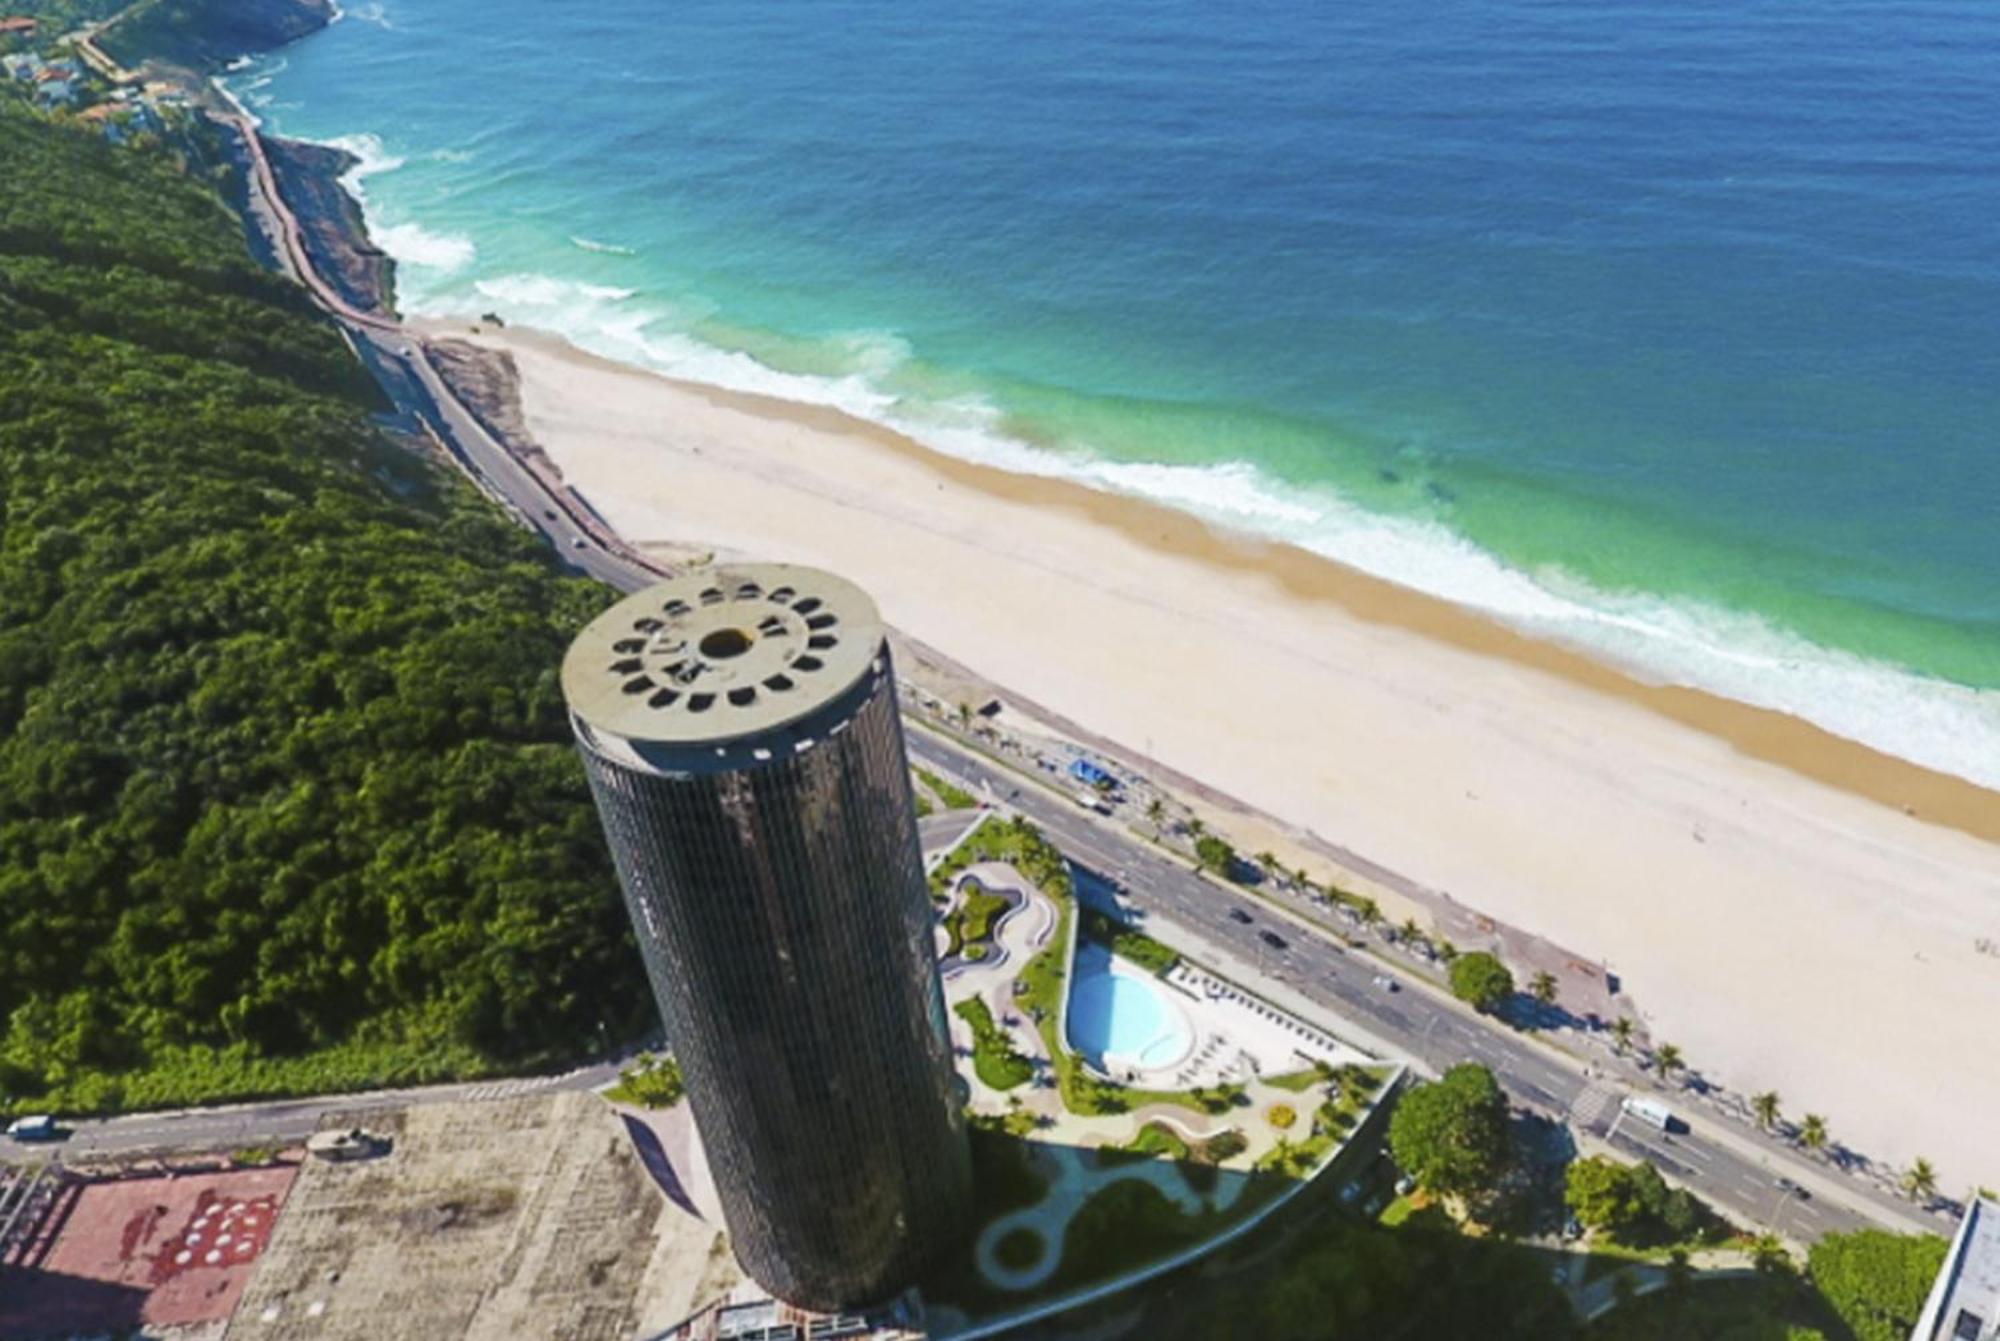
[369, 13]
[371, 160]
[413, 244]
[602, 248]
[1941, 725]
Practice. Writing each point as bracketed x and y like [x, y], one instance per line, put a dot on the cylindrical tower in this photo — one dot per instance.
[740, 730]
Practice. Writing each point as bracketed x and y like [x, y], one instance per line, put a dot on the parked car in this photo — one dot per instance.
[40, 1127]
[353, 1143]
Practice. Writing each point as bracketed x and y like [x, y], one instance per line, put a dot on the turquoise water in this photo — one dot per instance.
[1665, 328]
[1118, 1015]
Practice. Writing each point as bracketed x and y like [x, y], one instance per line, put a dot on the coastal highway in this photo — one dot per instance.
[1314, 965]
[1192, 912]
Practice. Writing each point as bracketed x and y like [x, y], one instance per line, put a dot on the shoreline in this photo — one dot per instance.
[1728, 864]
[1764, 734]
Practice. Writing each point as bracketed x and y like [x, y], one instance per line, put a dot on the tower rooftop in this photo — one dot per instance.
[721, 653]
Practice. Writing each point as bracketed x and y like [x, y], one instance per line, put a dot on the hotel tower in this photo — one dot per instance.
[740, 730]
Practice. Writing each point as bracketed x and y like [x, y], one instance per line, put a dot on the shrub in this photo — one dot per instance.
[1281, 1116]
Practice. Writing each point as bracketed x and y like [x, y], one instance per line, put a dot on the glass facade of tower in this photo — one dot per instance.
[777, 891]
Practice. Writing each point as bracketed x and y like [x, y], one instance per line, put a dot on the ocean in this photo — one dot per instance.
[1666, 328]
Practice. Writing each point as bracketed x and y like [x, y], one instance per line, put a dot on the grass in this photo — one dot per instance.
[1756, 1308]
[954, 798]
[649, 1082]
[1136, 946]
[1004, 1177]
[971, 923]
[994, 1059]
[1298, 1082]
[1019, 1249]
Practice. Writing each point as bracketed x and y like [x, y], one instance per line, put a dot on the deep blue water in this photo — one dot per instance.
[1668, 326]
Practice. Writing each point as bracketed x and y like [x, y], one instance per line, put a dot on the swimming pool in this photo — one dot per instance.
[1119, 1018]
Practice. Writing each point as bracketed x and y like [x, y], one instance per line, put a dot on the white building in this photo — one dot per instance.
[1964, 1305]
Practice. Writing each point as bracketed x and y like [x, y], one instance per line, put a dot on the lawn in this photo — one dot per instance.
[1760, 1308]
[971, 922]
[954, 798]
[1136, 946]
[994, 1058]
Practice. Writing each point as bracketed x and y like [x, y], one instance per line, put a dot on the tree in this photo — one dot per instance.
[1480, 980]
[1920, 1180]
[1215, 855]
[1447, 952]
[1812, 1132]
[1667, 1059]
[1451, 1135]
[1599, 1193]
[1877, 1281]
[1621, 1033]
[1542, 987]
[1155, 810]
[1368, 911]
[1765, 1106]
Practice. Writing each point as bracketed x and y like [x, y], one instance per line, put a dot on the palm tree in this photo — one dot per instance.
[1812, 1132]
[1446, 951]
[1542, 987]
[1667, 1059]
[1269, 861]
[1621, 1033]
[1765, 1106]
[1155, 810]
[1920, 1180]
[964, 713]
[1195, 827]
[1369, 912]
[1410, 931]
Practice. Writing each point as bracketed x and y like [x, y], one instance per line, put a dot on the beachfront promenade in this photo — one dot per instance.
[1315, 977]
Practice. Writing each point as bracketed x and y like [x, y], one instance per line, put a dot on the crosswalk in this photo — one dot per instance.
[1595, 1107]
[510, 1089]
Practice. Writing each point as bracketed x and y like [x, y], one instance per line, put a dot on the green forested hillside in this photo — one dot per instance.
[285, 794]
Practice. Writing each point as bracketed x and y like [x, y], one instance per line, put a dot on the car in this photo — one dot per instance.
[1238, 915]
[1384, 982]
[576, 543]
[40, 1127]
[1791, 1188]
[548, 514]
[1274, 940]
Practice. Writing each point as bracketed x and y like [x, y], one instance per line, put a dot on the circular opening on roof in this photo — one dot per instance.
[723, 644]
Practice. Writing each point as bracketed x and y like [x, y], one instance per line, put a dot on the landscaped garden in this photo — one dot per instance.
[1119, 1187]
[994, 1058]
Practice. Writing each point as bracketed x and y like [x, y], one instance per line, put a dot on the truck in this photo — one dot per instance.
[1651, 1112]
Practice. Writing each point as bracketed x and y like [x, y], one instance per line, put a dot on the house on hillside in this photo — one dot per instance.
[55, 93]
[17, 26]
[23, 67]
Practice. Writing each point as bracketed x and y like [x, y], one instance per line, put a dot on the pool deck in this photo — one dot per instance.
[1063, 1140]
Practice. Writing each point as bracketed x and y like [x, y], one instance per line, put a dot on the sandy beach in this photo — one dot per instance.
[1796, 912]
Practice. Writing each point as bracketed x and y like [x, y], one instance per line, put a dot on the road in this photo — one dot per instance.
[1308, 959]
[1194, 913]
